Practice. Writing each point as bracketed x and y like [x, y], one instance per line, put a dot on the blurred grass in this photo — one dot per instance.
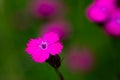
[15, 64]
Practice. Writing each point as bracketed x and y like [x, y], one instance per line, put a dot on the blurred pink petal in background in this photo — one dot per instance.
[112, 27]
[100, 10]
[44, 8]
[79, 60]
[62, 28]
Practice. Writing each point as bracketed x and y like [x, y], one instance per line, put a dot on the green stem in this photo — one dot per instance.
[59, 74]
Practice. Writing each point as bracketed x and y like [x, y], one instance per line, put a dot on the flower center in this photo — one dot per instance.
[43, 45]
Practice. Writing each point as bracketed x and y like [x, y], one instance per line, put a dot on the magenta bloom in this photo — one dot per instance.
[79, 60]
[60, 27]
[112, 27]
[100, 10]
[41, 48]
[44, 8]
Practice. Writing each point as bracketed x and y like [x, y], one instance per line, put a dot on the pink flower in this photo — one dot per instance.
[112, 27]
[79, 60]
[41, 48]
[44, 8]
[100, 10]
[60, 27]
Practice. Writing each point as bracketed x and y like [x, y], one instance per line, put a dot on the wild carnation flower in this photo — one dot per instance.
[41, 48]
[100, 10]
[112, 27]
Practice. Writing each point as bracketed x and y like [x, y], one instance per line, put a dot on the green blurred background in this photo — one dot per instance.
[16, 28]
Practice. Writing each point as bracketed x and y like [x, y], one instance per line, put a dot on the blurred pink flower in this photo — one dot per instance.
[112, 27]
[44, 8]
[62, 28]
[100, 10]
[79, 60]
[41, 48]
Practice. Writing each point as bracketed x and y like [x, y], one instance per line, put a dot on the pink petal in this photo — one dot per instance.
[34, 42]
[33, 45]
[96, 13]
[51, 37]
[31, 50]
[112, 28]
[55, 48]
[40, 56]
